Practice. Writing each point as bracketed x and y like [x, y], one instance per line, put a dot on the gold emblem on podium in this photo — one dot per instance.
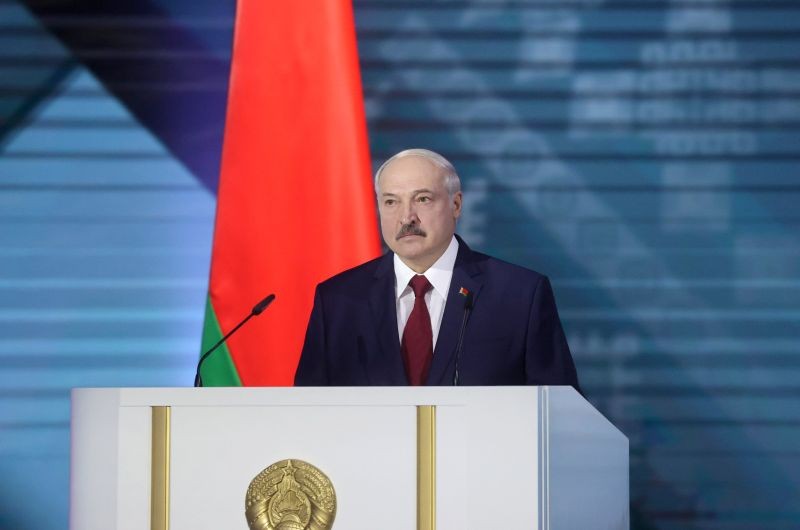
[290, 495]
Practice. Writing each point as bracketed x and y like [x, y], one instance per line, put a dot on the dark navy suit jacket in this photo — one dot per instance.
[513, 335]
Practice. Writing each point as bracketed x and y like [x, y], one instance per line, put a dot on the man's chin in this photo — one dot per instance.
[409, 247]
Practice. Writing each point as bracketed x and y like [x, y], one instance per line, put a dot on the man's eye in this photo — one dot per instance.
[389, 202]
[424, 198]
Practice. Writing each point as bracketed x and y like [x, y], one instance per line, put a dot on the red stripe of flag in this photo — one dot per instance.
[295, 202]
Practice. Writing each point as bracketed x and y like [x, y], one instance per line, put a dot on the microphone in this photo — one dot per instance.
[467, 310]
[257, 310]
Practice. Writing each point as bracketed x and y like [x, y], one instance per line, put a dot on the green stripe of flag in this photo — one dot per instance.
[218, 370]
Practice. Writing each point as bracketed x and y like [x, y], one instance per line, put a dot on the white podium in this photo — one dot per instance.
[398, 458]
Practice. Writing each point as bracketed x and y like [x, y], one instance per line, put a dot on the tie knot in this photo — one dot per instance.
[420, 285]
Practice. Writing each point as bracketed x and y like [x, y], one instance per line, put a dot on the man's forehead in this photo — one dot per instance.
[412, 169]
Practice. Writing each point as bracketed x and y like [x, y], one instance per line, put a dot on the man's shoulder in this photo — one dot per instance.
[355, 276]
[502, 269]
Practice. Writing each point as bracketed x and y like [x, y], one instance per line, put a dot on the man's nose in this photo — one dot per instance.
[410, 214]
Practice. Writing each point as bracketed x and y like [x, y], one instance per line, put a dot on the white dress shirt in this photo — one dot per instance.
[439, 275]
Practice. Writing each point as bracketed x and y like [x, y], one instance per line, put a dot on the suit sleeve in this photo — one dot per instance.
[312, 369]
[548, 359]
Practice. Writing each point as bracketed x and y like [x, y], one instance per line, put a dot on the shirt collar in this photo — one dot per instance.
[439, 274]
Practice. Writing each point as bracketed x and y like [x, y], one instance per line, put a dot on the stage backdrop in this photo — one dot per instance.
[642, 153]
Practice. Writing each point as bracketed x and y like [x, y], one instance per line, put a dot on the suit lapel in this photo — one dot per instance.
[467, 274]
[385, 367]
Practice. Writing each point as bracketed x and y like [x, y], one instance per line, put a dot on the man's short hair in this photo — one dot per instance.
[451, 181]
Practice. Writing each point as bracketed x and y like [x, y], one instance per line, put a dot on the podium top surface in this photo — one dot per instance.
[565, 399]
[265, 396]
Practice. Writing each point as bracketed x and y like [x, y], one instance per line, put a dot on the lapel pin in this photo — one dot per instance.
[463, 291]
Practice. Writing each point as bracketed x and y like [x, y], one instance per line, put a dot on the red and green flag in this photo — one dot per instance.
[295, 202]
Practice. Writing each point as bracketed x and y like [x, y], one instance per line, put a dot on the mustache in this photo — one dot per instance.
[410, 229]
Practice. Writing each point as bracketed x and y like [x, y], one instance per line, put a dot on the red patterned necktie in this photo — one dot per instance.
[417, 343]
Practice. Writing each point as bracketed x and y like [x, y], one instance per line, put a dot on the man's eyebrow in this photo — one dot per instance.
[415, 192]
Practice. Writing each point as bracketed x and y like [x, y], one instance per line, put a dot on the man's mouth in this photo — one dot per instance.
[410, 230]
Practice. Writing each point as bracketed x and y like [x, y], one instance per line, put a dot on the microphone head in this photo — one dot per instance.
[467, 294]
[263, 304]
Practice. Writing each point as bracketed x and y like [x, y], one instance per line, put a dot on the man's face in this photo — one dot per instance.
[418, 218]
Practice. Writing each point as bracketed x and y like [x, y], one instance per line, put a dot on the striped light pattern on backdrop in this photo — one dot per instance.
[642, 153]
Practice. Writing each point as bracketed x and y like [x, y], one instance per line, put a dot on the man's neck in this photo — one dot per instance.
[418, 267]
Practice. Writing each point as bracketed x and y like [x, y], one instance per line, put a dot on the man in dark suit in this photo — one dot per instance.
[432, 311]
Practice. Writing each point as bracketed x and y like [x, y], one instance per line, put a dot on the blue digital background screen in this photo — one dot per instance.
[644, 154]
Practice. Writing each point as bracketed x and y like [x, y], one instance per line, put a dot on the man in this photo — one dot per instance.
[432, 311]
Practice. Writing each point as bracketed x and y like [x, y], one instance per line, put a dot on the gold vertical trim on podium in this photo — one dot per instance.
[159, 472]
[426, 467]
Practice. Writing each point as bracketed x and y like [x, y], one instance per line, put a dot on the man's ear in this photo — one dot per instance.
[456, 201]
